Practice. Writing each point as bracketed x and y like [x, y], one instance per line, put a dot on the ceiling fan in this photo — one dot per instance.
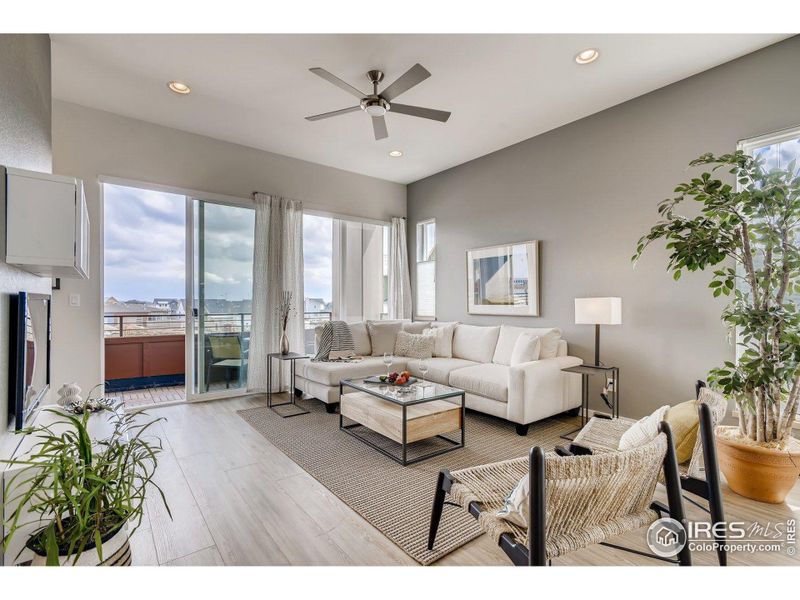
[376, 105]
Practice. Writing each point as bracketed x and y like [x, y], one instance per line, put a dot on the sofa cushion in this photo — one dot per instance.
[442, 339]
[331, 373]
[439, 369]
[363, 347]
[382, 336]
[508, 337]
[526, 349]
[471, 342]
[417, 327]
[413, 345]
[488, 380]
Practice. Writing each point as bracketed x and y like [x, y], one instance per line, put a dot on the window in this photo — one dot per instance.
[426, 269]
[344, 272]
[777, 150]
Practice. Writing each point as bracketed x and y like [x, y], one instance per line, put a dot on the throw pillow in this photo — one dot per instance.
[526, 349]
[643, 431]
[382, 336]
[515, 509]
[416, 327]
[413, 345]
[550, 344]
[442, 339]
[684, 420]
[361, 339]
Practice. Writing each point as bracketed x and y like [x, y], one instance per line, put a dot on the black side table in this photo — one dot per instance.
[292, 357]
[613, 394]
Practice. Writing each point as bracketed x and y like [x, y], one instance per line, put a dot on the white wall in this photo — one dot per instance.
[25, 144]
[88, 143]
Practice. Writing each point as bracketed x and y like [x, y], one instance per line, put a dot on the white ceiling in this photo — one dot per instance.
[255, 89]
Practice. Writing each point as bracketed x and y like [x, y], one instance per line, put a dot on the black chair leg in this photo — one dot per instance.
[442, 486]
[674, 493]
[711, 466]
[537, 526]
[522, 429]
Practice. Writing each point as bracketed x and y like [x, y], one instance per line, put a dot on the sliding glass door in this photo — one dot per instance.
[220, 293]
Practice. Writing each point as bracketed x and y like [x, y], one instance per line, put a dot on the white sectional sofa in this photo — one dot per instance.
[480, 364]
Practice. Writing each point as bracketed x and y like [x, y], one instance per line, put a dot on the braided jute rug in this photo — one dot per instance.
[395, 499]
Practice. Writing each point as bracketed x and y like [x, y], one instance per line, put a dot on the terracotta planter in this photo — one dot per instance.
[116, 553]
[763, 474]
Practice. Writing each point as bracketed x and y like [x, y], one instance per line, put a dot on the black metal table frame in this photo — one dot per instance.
[570, 435]
[403, 460]
[292, 390]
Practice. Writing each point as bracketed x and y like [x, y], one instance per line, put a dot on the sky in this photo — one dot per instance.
[145, 252]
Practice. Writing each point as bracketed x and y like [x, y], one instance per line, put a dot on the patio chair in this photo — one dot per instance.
[574, 501]
[224, 352]
[698, 476]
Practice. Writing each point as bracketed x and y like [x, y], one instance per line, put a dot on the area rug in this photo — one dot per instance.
[395, 499]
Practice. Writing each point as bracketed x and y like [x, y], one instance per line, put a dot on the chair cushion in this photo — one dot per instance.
[331, 373]
[644, 430]
[488, 380]
[442, 339]
[526, 349]
[363, 347]
[471, 342]
[225, 346]
[439, 369]
[382, 336]
[684, 420]
[413, 345]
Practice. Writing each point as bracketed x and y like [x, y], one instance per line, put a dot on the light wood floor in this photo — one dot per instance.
[237, 500]
[159, 395]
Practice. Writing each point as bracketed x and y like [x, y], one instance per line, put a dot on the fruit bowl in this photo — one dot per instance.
[403, 379]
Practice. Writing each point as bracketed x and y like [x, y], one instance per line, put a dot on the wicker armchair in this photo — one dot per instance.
[698, 476]
[575, 501]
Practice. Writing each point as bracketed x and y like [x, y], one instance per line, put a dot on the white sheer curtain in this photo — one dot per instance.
[399, 279]
[277, 268]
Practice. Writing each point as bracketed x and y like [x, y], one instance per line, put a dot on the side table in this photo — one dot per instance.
[292, 357]
[585, 371]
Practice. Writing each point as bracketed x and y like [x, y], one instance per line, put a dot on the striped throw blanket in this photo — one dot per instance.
[336, 342]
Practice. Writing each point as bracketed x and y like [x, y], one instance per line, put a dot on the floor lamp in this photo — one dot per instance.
[598, 311]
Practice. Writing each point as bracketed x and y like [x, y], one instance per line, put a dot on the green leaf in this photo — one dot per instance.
[51, 546]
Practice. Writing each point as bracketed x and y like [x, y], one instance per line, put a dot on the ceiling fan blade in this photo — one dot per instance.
[379, 127]
[337, 82]
[418, 111]
[333, 113]
[416, 74]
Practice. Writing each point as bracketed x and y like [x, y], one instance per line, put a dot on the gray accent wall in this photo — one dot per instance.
[588, 191]
[25, 143]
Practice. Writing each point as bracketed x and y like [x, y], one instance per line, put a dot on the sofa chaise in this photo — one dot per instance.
[480, 364]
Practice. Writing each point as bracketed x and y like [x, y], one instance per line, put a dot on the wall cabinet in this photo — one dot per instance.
[47, 223]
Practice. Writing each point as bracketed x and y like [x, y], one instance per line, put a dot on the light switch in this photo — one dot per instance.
[74, 299]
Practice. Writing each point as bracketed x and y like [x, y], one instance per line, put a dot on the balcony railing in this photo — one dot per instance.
[121, 325]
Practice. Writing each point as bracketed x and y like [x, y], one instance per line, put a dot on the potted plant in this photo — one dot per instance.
[747, 231]
[86, 492]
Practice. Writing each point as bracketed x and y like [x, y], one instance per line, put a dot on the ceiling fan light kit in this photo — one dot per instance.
[376, 105]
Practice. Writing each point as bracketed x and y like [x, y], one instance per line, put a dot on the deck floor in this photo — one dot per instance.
[158, 395]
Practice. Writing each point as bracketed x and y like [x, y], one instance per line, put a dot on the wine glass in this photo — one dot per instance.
[423, 368]
[387, 361]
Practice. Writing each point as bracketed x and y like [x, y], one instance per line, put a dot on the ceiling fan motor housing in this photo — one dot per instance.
[375, 106]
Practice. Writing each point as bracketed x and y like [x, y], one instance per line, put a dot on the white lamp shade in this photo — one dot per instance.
[598, 311]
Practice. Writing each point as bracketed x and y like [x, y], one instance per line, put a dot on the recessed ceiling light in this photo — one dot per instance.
[587, 56]
[395, 153]
[179, 87]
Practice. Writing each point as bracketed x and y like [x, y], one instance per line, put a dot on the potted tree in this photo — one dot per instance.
[86, 492]
[747, 231]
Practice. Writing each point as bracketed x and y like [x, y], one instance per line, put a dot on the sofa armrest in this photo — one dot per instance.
[538, 389]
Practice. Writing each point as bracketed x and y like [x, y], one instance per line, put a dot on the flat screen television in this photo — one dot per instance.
[29, 355]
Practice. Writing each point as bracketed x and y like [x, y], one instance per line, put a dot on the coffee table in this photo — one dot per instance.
[404, 415]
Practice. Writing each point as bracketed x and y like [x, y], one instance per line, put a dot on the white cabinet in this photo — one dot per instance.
[47, 223]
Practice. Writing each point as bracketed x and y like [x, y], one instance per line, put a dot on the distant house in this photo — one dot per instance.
[315, 305]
